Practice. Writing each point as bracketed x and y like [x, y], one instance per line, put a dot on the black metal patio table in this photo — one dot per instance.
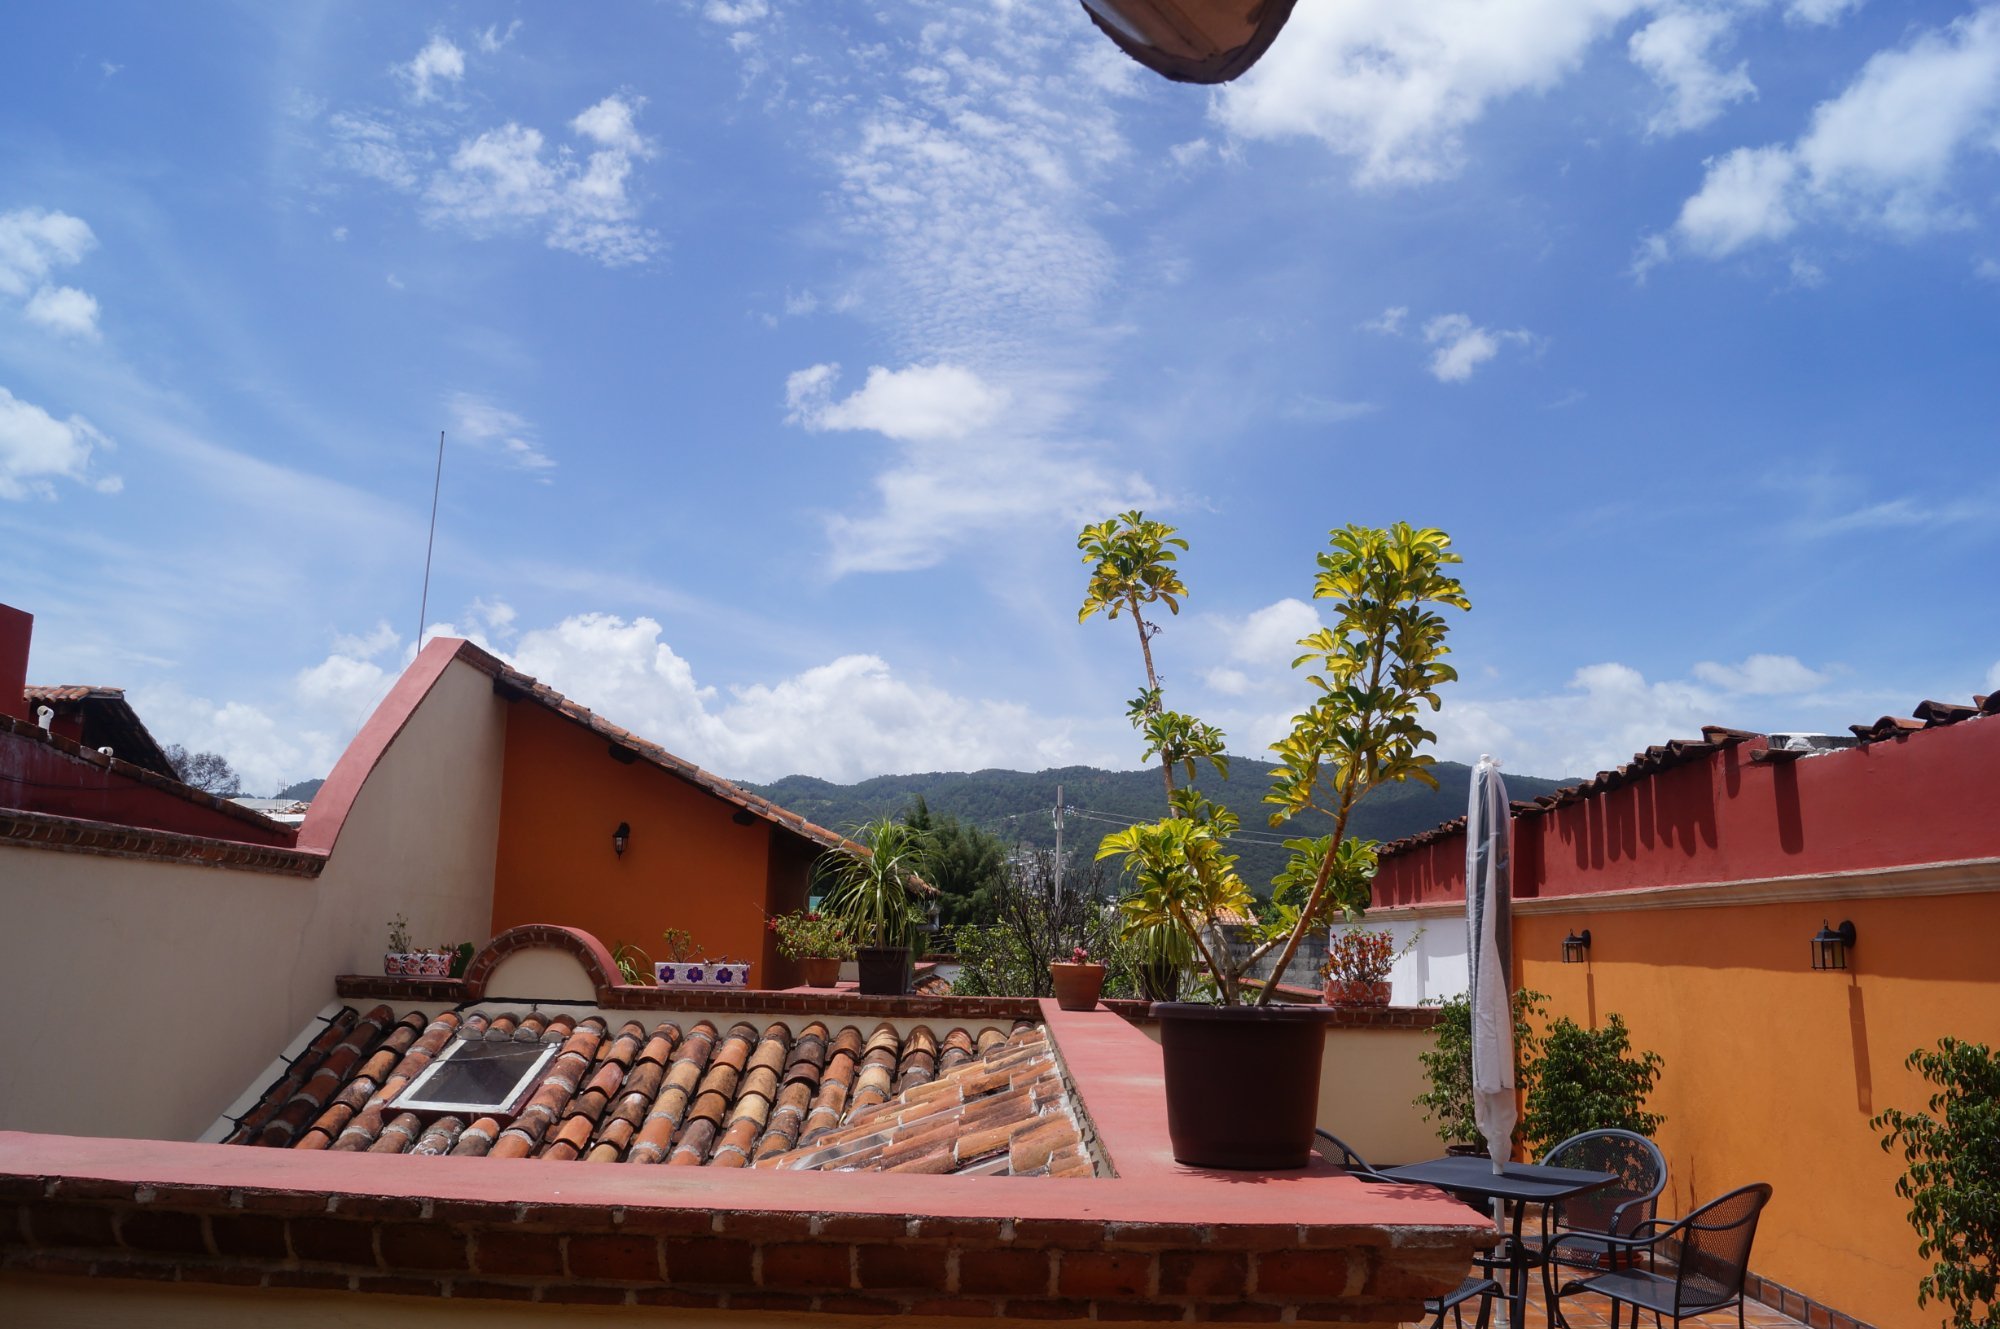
[1523, 1183]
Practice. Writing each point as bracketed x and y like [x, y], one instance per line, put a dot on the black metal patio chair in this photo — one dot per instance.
[1452, 1302]
[1708, 1252]
[1574, 1232]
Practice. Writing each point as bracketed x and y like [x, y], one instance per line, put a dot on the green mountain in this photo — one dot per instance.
[1017, 806]
[303, 791]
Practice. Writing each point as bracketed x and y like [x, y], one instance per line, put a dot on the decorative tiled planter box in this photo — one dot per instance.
[705, 974]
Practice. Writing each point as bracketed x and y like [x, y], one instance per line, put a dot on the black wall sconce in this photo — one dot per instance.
[1830, 945]
[1576, 947]
[620, 838]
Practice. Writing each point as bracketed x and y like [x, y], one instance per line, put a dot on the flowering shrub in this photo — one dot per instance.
[1080, 955]
[810, 935]
[1361, 955]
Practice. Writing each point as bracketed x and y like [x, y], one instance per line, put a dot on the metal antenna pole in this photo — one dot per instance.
[424, 605]
[1059, 857]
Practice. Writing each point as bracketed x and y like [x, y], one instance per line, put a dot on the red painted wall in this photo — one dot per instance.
[16, 628]
[36, 776]
[689, 864]
[1925, 798]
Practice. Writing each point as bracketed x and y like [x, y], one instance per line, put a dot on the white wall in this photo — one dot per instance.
[1436, 966]
[146, 994]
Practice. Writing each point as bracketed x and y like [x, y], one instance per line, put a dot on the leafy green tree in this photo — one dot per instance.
[967, 865]
[1953, 1179]
[1036, 925]
[1376, 668]
[1448, 1063]
[1586, 1080]
[209, 772]
[1132, 560]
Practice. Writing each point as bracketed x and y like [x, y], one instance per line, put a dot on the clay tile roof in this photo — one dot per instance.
[1005, 1111]
[107, 720]
[961, 1100]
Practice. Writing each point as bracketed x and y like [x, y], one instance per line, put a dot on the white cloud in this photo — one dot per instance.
[1327, 410]
[1762, 675]
[1987, 269]
[735, 13]
[493, 426]
[1880, 155]
[1270, 636]
[1229, 682]
[492, 40]
[1394, 85]
[339, 235]
[1993, 677]
[372, 147]
[1389, 322]
[923, 403]
[1191, 154]
[1806, 274]
[368, 645]
[1463, 346]
[1821, 13]
[845, 720]
[610, 123]
[439, 61]
[507, 180]
[1677, 50]
[37, 449]
[64, 309]
[34, 242]
[1745, 197]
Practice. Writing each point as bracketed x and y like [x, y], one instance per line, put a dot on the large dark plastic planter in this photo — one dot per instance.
[1242, 1083]
[883, 971]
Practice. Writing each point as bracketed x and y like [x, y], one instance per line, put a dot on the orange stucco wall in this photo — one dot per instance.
[1772, 1070]
[689, 864]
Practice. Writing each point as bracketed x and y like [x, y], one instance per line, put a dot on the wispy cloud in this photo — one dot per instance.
[509, 436]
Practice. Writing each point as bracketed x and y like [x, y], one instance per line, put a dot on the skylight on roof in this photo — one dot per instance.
[478, 1075]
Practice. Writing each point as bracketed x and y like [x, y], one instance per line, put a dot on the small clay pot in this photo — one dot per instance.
[1077, 985]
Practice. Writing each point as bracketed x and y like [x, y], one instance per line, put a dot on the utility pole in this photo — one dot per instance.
[1059, 857]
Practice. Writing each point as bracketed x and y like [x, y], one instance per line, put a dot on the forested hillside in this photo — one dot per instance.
[1016, 805]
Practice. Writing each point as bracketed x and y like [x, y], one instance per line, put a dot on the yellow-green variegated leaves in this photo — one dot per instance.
[1134, 565]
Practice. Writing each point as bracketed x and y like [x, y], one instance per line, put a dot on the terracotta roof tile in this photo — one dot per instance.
[980, 1101]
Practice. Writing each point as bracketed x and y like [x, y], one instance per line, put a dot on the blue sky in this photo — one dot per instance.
[782, 348]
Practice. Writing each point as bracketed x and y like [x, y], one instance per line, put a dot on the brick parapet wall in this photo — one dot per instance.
[727, 1259]
[825, 1002]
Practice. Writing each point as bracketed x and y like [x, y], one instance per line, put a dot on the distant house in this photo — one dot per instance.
[99, 718]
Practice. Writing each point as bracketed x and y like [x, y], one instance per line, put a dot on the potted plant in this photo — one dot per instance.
[635, 967]
[819, 942]
[1078, 981]
[872, 880]
[1374, 671]
[1952, 1158]
[1586, 1080]
[1358, 961]
[1161, 955]
[398, 960]
[1447, 1102]
[684, 965]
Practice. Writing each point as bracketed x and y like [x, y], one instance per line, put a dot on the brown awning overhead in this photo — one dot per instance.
[1192, 41]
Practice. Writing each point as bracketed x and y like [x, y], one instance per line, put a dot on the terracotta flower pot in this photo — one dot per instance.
[821, 971]
[1242, 1083]
[1356, 992]
[1077, 985]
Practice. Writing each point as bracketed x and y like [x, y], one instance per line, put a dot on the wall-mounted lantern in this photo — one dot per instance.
[1576, 947]
[620, 838]
[1830, 945]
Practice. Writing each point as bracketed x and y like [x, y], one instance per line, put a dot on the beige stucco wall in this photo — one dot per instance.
[147, 994]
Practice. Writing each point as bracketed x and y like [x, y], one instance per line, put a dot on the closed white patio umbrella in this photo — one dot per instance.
[1489, 954]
